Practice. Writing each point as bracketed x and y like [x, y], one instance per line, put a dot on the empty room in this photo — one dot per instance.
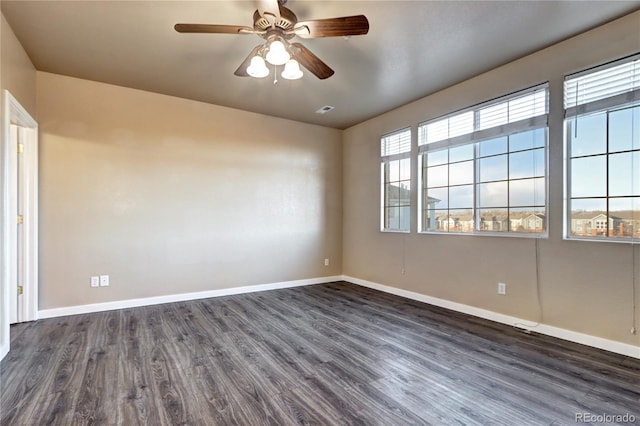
[268, 212]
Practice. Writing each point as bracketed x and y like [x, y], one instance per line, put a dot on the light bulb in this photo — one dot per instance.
[292, 70]
[277, 54]
[257, 69]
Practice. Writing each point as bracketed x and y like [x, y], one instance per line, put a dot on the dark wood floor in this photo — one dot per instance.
[326, 354]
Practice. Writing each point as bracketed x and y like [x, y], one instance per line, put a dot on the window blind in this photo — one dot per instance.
[396, 143]
[509, 113]
[603, 87]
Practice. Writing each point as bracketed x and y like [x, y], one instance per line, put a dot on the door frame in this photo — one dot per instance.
[14, 113]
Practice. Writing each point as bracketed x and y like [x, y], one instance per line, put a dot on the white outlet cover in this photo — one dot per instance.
[95, 281]
[104, 280]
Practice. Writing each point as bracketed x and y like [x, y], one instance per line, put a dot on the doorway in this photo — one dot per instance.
[19, 260]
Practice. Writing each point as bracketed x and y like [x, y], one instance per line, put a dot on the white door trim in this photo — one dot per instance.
[16, 114]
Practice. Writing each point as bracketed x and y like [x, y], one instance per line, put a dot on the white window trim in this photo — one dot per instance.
[386, 159]
[540, 121]
[612, 103]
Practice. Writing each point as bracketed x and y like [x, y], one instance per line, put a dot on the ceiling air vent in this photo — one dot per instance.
[325, 109]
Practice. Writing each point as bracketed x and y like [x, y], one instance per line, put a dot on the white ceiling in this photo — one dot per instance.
[413, 48]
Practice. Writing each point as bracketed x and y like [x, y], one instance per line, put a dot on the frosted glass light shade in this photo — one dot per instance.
[258, 68]
[292, 70]
[277, 54]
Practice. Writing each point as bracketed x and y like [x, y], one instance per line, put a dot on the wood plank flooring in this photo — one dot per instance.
[331, 354]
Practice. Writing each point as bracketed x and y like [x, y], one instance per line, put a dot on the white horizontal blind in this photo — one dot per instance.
[395, 143]
[513, 110]
[446, 128]
[600, 88]
[518, 110]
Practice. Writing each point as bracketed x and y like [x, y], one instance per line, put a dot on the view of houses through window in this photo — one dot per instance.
[605, 174]
[603, 145]
[484, 169]
[498, 184]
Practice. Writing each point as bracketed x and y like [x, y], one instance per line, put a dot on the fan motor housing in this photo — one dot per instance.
[286, 21]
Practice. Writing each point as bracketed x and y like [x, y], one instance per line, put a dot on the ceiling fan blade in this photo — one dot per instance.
[268, 7]
[311, 62]
[333, 27]
[242, 69]
[216, 29]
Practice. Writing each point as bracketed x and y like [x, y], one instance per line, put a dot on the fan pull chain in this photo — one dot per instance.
[275, 75]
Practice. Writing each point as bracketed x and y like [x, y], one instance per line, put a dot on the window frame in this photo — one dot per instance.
[617, 101]
[475, 138]
[385, 161]
[607, 197]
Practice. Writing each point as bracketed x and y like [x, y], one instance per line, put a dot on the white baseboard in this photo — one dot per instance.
[561, 333]
[156, 300]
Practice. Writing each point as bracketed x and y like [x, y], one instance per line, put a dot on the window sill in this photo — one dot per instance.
[538, 235]
[604, 240]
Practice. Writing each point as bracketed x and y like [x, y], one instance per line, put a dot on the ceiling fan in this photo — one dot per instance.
[277, 25]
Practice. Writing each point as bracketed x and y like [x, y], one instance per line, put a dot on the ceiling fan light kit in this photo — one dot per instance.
[292, 70]
[277, 54]
[258, 68]
[277, 25]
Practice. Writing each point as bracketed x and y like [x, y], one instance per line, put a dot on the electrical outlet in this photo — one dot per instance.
[95, 281]
[326, 262]
[502, 288]
[104, 280]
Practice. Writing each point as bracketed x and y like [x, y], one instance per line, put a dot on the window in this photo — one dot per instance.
[602, 141]
[396, 181]
[484, 169]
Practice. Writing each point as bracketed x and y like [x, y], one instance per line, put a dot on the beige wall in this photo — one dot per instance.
[168, 195]
[585, 287]
[18, 73]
